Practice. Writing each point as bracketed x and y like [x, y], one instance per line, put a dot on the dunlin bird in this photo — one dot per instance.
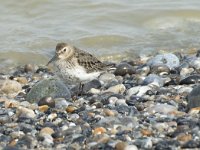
[75, 65]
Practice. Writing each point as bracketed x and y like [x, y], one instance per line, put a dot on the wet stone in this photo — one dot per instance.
[27, 141]
[143, 71]
[194, 98]
[153, 79]
[170, 60]
[28, 68]
[42, 70]
[61, 103]
[26, 128]
[145, 143]
[160, 69]
[4, 116]
[162, 108]
[92, 84]
[134, 99]
[195, 62]
[125, 110]
[107, 77]
[11, 148]
[191, 144]
[166, 145]
[49, 101]
[117, 89]
[192, 79]
[123, 69]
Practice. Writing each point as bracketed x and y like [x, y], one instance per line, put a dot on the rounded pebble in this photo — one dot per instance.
[123, 69]
[49, 101]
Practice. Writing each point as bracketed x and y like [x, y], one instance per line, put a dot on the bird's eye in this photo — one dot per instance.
[64, 50]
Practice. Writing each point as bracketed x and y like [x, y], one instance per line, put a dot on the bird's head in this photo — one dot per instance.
[63, 52]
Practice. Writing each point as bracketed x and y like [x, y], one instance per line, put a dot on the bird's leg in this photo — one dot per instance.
[80, 91]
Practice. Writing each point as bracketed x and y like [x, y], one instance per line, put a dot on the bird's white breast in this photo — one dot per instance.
[80, 72]
[75, 72]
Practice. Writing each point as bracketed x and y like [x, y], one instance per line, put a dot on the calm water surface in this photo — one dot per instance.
[113, 29]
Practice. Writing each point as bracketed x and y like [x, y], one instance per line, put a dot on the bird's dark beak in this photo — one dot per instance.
[52, 59]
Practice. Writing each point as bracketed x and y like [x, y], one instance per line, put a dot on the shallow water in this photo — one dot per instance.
[112, 29]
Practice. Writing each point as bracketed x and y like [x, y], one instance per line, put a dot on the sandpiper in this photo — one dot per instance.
[75, 65]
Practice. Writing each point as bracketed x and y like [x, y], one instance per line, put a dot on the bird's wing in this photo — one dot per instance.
[89, 62]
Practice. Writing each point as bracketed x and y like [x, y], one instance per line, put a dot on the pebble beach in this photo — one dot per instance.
[146, 103]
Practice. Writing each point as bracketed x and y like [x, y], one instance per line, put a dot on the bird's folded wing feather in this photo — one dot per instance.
[89, 62]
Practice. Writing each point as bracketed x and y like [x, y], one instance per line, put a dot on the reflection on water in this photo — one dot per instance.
[110, 29]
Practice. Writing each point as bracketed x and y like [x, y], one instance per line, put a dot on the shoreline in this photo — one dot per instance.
[144, 104]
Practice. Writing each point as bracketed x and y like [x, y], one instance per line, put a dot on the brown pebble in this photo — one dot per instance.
[28, 68]
[184, 137]
[11, 104]
[70, 109]
[108, 112]
[22, 80]
[91, 114]
[195, 110]
[43, 108]
[13, 142]
[36, 77]
[99, 130]
[120, 146]
[46, 130]
[58, 140]
[146, 132]
[104, 139]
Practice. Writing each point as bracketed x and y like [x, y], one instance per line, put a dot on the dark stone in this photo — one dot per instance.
[102, 146]
[153, 78]
[86, 131]
[27, 141]
[47, 101]
[119, 96]
[198, 53]
[191, 144]
[98, 105]
[81, 89]
[51, 125]
[183, 65]
[11, 148]
[57, 134]
[192, 79]
[80, 140]
[92, 84]
[159, 69]
[44, 70]
[134, 99]
[110, 84]
[48, 88]
[151, 92]
[188, 122]
[126, 110]
[4, 118]
[123, 69]
[166, 145]
[194, 97]
[5, 138]
[26, 120]
[26, 128]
